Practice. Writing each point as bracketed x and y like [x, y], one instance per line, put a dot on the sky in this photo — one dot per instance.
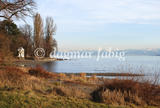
[93, 24]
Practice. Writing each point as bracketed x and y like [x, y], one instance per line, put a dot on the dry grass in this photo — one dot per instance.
[40, 72]
[83, 75]
[69, 92]
[123, 92]
[115, 92]
[62, 76]
[93, 78]
[13, 77]
[38, 80]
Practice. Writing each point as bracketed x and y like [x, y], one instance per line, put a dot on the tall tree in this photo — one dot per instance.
[38, 31]
[50, 30]
[16, 8]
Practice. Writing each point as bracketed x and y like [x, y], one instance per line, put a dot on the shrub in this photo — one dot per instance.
[72, 77]
[62, 75]
[83, 75]
[93, 78]
[127, 91]
[40, 72]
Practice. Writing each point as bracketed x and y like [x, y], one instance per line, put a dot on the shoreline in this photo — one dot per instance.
[112, 74]
[30, 63]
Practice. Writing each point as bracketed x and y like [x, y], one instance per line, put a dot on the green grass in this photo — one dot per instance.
[31, 99]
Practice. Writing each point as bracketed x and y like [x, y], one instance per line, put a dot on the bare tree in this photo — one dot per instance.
[27, 32]
[16, 8]
[38, 31]
[50, 30]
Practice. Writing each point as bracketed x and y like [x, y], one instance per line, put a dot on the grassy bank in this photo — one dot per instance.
[37, 88]
[31, 99]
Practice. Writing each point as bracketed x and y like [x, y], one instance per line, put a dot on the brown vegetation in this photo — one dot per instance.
[15, 78]
[68, 91]
[83, 75]
[123, 92]
[40, 72]
[5, 53]
[27, 31]
[115, 91]
[62, 75]
[40, 81]
[10, 39]
[38, 31]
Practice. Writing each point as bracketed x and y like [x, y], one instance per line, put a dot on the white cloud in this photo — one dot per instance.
[93, 12]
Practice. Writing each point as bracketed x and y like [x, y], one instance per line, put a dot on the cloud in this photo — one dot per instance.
[97, 12]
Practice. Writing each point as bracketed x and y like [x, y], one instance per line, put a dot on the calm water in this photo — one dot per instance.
[134, 64]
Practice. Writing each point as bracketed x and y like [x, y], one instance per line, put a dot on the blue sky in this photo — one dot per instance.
[90, 24]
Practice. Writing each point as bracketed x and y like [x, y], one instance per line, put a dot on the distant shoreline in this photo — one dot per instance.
[30, 62]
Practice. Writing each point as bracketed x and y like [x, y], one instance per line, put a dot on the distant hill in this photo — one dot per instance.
[128, 52]
[148, 52]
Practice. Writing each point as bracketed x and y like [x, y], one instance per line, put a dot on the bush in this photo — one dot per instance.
[127, 91]
[62, 75]
[40, 72]
[83, 75]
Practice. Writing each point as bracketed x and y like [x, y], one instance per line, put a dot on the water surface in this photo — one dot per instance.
[134, 64]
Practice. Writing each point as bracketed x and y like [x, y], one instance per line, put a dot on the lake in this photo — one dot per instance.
[131, 64]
